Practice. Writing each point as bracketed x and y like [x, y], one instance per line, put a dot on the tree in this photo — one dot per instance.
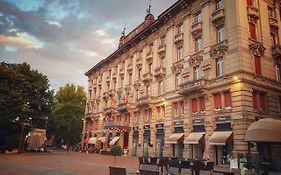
[68, 111]
[20, 84]
[116, 150]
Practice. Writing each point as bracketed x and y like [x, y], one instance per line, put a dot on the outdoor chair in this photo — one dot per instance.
[199, 165]
[185, 164]
[146, 169]
[153, 160]
[145, 160]
[117, 170]
[163, 164]
[174, 163]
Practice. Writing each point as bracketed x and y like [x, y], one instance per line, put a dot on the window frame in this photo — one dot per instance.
[219, 66]
[220, 34]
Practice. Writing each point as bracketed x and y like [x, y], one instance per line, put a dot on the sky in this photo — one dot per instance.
[65, 38]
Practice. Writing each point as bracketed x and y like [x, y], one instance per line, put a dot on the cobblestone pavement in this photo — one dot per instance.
[62, 163]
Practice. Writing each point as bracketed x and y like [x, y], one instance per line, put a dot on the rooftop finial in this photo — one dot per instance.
[149, 7]
[124, 30]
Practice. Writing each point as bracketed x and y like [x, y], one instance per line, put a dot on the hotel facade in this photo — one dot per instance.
[202, 67]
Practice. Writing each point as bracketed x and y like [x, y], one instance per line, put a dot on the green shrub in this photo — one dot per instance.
[116, 150]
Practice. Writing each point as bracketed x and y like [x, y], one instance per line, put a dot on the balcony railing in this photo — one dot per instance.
[218, 17]
[162, 49]
[159, 72]
[178, 38]
[253, 12]
[276, 51]
[143, 101]
[196, 28]
[273, 22]
[123, 107]
[191, 86]
[147, 77]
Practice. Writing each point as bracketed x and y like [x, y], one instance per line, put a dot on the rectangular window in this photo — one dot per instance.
[227, 99]
[161, 88]
[262, 101]
[196, 70]
[219, 67]
[217, 98]
[252, 31]
[257, 65]
[130, 78]
[182, 107]
[163, 40]
[254, 96]
[219, 4]
[220, 34]
[202, 104]
[198, 17]
[194, 105]
[175, 109]
[278, 72]
[198, 42]
[180, 28]
[177, 80]
[180, 53]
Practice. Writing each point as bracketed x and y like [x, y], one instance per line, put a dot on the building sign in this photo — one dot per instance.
[200, 121]
[223, 119]
[160, 126]
[136, 128]
[146, 127]
[178, 123]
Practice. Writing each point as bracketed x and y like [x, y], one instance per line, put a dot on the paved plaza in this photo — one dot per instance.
[62, 163]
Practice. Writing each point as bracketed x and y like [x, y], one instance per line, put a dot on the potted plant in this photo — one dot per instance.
[116, 150]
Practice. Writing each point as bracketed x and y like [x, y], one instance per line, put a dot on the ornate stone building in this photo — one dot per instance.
[203, 66]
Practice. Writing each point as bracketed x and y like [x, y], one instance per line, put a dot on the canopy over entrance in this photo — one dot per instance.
[264, 130]
[113, 141]
[194, 137]
[220, 137]
[173, 139]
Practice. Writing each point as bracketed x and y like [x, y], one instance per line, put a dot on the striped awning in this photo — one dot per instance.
[113, 141]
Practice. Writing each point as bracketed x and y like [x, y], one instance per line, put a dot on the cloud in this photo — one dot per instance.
[55, 23]
[15, 41]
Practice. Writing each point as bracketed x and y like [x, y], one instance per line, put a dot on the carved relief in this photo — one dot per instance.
[195, 59]
[219, 49]
[253, 14]
[218, 18]
[276, 52]
[257, 48]
[177, 67]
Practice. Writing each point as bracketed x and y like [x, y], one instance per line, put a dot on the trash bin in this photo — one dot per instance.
[242, 160]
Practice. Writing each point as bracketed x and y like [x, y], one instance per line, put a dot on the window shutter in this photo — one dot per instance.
[252, 31]
[249, 2]
[262, 101]
[255, 105]
[194, 105]
[257, 65]
[202, 104]
[227, 99]
[217, 100]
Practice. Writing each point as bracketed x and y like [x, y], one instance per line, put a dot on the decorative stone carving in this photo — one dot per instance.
[195, 59]
[159, 72]
[178, 39]
[219, 49]
[177, 67]
[196, 29]
[276, 52]
[253, 14]
[137, 85]
[257, 48]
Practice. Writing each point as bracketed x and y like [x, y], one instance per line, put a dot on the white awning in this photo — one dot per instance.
[194, 137]
[92, 140]
[102, 139]
[113, 141]
[219, 137]
[173, 139]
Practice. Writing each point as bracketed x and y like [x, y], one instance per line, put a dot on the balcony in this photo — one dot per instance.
[122, 107]
[276, 51]
[109, 123]
[219, 49]
[159, 72]
[147, 77]
[143, 101]
[108, 110]
[253, 13]
[192, 86]
[196, 28]
[149, 57]
[178, 38]
[162, 49]
[273, 22]
[218, 17]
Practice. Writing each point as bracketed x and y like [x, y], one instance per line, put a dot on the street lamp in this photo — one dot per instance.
[26, 109]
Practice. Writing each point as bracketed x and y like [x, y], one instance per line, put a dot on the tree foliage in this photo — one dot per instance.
[68, 111]
[20, 84]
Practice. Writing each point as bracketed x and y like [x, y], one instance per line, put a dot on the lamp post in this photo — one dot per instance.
[26, 108]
